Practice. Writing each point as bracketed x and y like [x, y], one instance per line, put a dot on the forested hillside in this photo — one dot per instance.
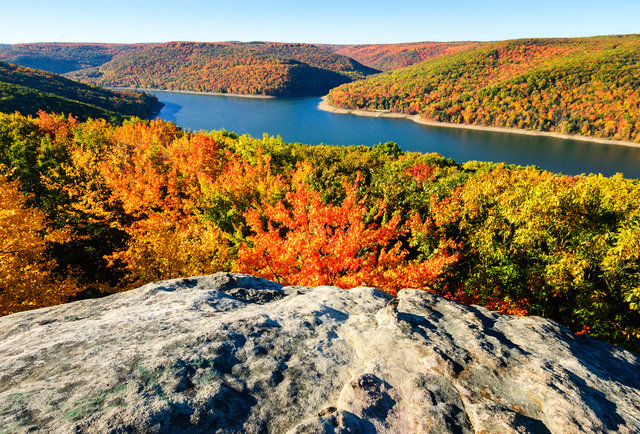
[262, 68]
[315, 56]
[255, 68]
[586, 86]
[29, 90]
[90, 208]
[386, 57]
[61, 57]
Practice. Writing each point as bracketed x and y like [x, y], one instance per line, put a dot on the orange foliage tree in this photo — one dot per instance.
[159, 181]
[148, 182]
[302, 241]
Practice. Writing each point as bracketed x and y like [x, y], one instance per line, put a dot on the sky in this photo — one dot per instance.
[317, 21]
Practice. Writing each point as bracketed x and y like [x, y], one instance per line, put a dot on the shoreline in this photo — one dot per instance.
[193, 92]
[325, 106]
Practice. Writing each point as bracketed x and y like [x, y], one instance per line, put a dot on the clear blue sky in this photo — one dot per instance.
[330, 21]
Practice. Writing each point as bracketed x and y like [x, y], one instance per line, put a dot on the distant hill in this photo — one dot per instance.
[586, 86]
[243, 68]
[386, 57]
[29, 90]
[60, 57]
[316, 56]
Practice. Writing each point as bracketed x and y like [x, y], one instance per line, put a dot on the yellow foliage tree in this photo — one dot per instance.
[27, 280]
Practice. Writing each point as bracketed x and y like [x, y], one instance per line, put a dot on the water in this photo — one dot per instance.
[299, 120]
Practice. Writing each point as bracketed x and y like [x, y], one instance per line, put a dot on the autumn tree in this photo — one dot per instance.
[27, 273]
[300, 240]
[150, 186]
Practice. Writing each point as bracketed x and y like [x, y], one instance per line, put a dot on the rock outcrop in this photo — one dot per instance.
[233, 353]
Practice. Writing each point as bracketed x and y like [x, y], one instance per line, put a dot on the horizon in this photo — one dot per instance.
[313, 43]
[333, 22]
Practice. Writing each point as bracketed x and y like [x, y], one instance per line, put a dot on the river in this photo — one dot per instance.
[300, 120]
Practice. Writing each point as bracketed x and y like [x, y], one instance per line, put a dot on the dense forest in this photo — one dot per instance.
[256, 68]
[263, 68]
[585, 86]
[61, 57]
[315, 56]
[29, 90]
[91, 208]
[386, 57]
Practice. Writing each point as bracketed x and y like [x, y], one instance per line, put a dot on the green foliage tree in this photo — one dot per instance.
[387, 148]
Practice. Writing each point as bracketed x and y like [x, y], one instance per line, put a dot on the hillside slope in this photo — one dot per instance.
[386, 57]
[317, 57]
[586, 86]
[254, 68]
[59, 57]
[29, 90]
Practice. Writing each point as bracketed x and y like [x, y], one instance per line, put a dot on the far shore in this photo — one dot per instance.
[144, 89]
[324, 105]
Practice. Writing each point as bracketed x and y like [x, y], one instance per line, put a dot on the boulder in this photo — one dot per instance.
[234, 353]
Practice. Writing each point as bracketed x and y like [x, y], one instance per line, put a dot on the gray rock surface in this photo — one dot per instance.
[233, 353]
